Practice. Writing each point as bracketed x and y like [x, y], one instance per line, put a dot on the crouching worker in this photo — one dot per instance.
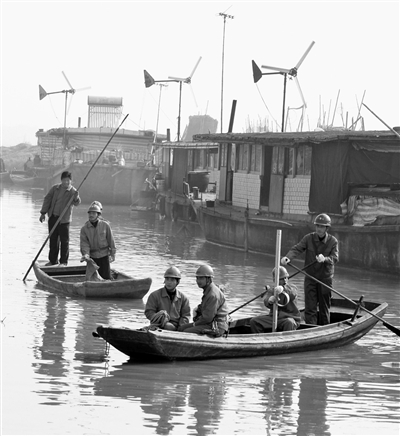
[286, 298]
[97, 240]
[167, 308]
[212, 313]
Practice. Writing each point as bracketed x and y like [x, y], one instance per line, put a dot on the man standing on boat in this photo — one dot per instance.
[213, 311]
[285, 296]
[54, 203]
[322, 252]
[97, 240]
[168, 308]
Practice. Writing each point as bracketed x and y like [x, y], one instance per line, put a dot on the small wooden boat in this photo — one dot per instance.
[73, 280]
[240, 342]
[23, 178]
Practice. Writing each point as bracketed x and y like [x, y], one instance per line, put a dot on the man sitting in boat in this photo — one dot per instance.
[285, 295]
[167, 308]
[97, 240]
[213, 310]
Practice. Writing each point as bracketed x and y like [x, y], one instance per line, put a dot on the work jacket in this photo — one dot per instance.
[51, 197]
[290, 310]
[97, 241]
[312, 246]
[178, 309]
[213, 306]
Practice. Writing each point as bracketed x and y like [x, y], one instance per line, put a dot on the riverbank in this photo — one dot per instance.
[14, 157]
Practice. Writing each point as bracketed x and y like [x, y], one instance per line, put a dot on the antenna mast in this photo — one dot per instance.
[225, 16]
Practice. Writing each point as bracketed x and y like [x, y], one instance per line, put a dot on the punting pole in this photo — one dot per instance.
[391, 327]
[277, 261]
[72, 198]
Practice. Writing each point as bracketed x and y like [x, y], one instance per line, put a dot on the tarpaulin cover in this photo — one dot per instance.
[328, 188]
[334, 165]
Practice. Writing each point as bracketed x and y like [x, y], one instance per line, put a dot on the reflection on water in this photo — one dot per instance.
[61, 377]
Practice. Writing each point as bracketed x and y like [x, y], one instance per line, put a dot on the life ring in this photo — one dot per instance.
[285, 294]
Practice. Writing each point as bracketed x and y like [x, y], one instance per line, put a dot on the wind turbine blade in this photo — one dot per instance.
[300, 91]
[280, 70]
[83, 89]
[304, 55]
[195, 67]
[194, 97]
[71, 87]
[178, 79]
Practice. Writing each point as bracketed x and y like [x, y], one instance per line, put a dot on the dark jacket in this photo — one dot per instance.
[290, 310]
[51, 198]
[213, 307]
[178, 309]
[312, 246]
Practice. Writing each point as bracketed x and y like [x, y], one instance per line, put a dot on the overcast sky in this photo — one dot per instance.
[107, 45]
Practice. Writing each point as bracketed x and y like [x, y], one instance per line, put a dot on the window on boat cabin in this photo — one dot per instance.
[278, 160]
[242, 153]
[249, 157]
[255, 158]
[299, 161]
[223, 155]
[212, 158]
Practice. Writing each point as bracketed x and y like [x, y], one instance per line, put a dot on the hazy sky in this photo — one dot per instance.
[107, 45]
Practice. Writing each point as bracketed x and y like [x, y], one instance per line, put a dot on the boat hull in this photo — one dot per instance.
[110, 184]
[70, 280]
[163, 344]
[374, 247]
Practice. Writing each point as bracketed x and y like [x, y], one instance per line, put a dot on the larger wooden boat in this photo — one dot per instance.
[71, 280]
[240, 342]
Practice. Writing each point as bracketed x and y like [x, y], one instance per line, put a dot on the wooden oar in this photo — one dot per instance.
[72, 199]
[267, 289]
[386, 324]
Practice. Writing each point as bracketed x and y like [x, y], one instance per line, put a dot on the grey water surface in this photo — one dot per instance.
[57, 378]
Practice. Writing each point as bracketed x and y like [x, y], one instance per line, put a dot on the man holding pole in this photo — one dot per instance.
[284, 296]
[55, 205]
[323, 248]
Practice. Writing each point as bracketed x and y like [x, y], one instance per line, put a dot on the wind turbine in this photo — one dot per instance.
[292, 73]
[181, 80]
[149, 81]
[72, 90]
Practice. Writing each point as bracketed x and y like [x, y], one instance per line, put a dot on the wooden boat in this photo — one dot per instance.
[72, 280]
[23, 178]
[240, 342]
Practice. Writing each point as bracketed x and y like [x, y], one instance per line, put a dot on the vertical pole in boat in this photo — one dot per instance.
[277, 260]
[246, 228]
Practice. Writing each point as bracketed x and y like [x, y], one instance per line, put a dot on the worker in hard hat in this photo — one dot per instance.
[168, 308]
[58, 204]
[212, 313]
[97, 240]
[322, 252]
[285, 296]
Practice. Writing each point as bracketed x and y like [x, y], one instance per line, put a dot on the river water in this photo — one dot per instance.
[57, 379]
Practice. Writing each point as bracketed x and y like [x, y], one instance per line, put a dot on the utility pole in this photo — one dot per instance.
[225, 16]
